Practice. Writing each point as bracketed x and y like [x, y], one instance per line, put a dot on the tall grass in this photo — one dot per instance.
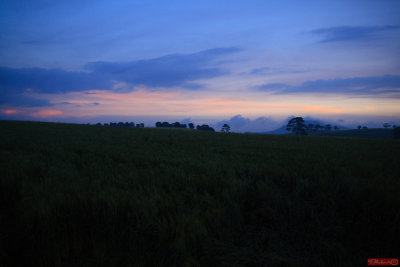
[78, 195]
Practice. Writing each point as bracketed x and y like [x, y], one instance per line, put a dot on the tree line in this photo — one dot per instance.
[298, 126]
[165, 124]
[122, 124]
[204, 127]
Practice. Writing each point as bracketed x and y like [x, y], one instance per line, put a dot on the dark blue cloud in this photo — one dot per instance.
[49, 80]
[16, 99]
[260, 70]
[351, 33]
[17, 84]
[166, 71]
[359, 85]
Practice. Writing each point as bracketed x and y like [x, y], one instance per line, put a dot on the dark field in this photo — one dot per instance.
[78, 195]
[375, 133]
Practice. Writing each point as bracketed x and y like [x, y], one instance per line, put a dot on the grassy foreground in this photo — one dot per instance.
[377, 133]
[78, 195]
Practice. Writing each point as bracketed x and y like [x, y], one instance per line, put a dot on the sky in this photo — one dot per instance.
[251, 63]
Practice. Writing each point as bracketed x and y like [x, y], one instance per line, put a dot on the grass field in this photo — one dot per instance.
[374, 133]
[79, 195]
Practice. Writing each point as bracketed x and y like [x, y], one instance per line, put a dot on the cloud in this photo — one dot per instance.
[17, 85]
[21, 99]
[239, 123]
[166, 71]
[49, 80]
[359, 86]
[9, 111]
[262, 70]
[275, 70]
[187, 121]
[351, 33]
[46, 113]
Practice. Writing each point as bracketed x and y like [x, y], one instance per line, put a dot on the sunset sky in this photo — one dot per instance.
[201, 61]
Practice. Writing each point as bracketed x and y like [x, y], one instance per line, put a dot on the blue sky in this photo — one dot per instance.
[206, 61]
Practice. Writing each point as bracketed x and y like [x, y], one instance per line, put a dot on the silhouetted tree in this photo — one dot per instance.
[359, 127]
[205, 127]
[365, 127]
[178, 125]
[191, 125]
[317, 127]
[335, 128]
[328, 127]
[225, 128]
[120, 124]
[310, 127]
[167, 124]
[297, 126]
[386, 125]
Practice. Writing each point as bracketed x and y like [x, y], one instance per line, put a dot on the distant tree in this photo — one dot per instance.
[191, 125]
[176, 125]
[359, 127]
[98, 124]
[310, 127]
[394, 126]
[328, 127]
[335, 128]
[365, 127]
[386, 125]
[167, 124]
[317, 127]
[297, 126]
[396, 133]
[226, 128]
[205, 127]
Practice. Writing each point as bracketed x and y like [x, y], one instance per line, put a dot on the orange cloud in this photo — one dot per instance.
[321, 109]
[9, 111]
[46, 113]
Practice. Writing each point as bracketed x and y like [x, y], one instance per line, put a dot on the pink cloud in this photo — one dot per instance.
[46, 113]
[142, 102]
[9, 111]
